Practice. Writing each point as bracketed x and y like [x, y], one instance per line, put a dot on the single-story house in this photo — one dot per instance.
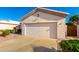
[4, 25]
[46, 23]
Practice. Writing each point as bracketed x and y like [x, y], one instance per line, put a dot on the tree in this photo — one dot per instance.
[74, 19]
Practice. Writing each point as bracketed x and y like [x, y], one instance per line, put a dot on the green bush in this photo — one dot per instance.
[11, 31]
[70, 45]
[5, 32]
[1, 30]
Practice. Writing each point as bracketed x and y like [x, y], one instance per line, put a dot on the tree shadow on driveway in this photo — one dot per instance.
[44, 49]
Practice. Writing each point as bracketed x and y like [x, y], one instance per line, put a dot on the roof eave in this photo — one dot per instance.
[58, 13]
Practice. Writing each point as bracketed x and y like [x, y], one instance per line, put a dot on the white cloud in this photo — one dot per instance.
[10, 21]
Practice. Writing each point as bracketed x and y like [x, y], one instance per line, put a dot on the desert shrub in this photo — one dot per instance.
[70, 45]
[12, 31]
[1, 30]
[5, 32]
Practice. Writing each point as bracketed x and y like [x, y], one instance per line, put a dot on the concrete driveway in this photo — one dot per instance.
[19, 43]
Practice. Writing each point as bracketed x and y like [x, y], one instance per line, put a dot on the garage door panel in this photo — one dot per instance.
[38, 31]
[41, 30]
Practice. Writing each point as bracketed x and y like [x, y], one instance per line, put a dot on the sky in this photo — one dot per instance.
[16, 13]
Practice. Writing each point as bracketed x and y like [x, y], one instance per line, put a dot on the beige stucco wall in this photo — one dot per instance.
[61, 29]
[23, 28]
[43, 17]
[7, 26]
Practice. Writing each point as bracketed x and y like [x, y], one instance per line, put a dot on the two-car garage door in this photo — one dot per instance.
[46, 30]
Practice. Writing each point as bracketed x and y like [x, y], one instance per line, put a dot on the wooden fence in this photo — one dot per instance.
[71, 30]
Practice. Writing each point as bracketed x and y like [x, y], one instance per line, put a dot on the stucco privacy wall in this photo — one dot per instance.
[78, 30]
